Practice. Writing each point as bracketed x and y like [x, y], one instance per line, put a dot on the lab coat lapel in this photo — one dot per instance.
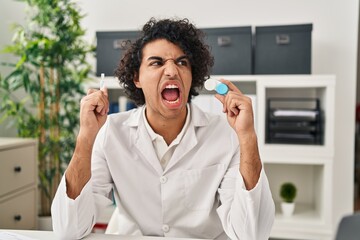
[142, 141]
[189, 140]
[187, 143]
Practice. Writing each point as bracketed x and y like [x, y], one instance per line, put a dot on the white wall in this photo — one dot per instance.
[334, 48]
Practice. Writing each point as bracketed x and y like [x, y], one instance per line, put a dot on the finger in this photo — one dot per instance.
[105, 95]
[236, 101]
[228, 98]
[230, 114]
[230, 85]
[90, 91]
[100, 109]
[96, 101]
[233, 106]
[94, 95]
[103, 105]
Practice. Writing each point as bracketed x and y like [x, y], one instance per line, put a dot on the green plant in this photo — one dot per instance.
[288, 192]
[51, 70]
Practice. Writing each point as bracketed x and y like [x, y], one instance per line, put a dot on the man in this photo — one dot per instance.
[174, 170]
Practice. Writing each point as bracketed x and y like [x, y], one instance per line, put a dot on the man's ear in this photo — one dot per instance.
[136, 80]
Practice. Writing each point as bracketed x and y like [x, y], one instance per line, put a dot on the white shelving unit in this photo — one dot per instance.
[310, 167]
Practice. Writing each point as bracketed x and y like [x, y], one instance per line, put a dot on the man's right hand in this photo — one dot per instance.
[93, 112]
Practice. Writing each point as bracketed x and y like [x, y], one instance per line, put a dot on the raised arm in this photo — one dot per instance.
[93, 113]
[239, 112]
[247, 209]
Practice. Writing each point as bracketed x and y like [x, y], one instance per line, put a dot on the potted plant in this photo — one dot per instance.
[51, 70]
[288, 193]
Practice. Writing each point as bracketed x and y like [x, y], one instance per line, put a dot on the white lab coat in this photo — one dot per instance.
[200, 194]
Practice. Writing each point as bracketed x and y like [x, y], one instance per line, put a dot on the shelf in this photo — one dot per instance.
[304, 214]
[273, 151]
[309, 180]
[321, 87]
[306, 223]
[295, 159]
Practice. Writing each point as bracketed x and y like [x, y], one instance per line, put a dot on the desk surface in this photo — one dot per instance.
[47, 235]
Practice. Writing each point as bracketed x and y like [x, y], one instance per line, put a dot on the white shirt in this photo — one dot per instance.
[199, 194]
[164, 151]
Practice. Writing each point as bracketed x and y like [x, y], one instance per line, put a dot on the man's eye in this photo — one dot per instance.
[156, 63]
[182, 63]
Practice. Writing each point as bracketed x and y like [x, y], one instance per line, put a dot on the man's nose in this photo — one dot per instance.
[170, 68]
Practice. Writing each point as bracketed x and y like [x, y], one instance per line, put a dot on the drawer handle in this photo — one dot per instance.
[17, 218]
[17, 169]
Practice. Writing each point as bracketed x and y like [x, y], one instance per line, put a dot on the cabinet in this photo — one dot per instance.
[18, 187]
[310, 167]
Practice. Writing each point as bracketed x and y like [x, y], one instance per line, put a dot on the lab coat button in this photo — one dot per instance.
[163, 179]
[165, 228]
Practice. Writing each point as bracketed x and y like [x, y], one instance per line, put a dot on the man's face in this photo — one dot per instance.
[165, 78]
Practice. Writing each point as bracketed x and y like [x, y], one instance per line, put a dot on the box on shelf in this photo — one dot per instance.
[283, 49]
[231, 48]
[300, 125]
[110, 48]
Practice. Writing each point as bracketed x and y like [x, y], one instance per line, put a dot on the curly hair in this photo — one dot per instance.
[179, 32]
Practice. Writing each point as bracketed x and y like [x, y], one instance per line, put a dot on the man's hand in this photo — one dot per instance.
[93, 112]
[238, 109]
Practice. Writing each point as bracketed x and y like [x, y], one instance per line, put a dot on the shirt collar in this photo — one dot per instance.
[198, 117]
[154, 135]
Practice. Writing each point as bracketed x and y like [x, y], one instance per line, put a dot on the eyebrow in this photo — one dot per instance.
[161, 59]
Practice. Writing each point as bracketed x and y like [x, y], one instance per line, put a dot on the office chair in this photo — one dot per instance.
[349, 228]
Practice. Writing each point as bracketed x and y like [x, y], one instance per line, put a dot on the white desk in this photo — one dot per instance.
[47, 235]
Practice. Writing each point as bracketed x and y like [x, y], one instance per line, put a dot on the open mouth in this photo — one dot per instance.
[171, 94]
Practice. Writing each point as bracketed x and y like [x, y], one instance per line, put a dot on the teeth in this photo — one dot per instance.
[171, 86]
[173, 102]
